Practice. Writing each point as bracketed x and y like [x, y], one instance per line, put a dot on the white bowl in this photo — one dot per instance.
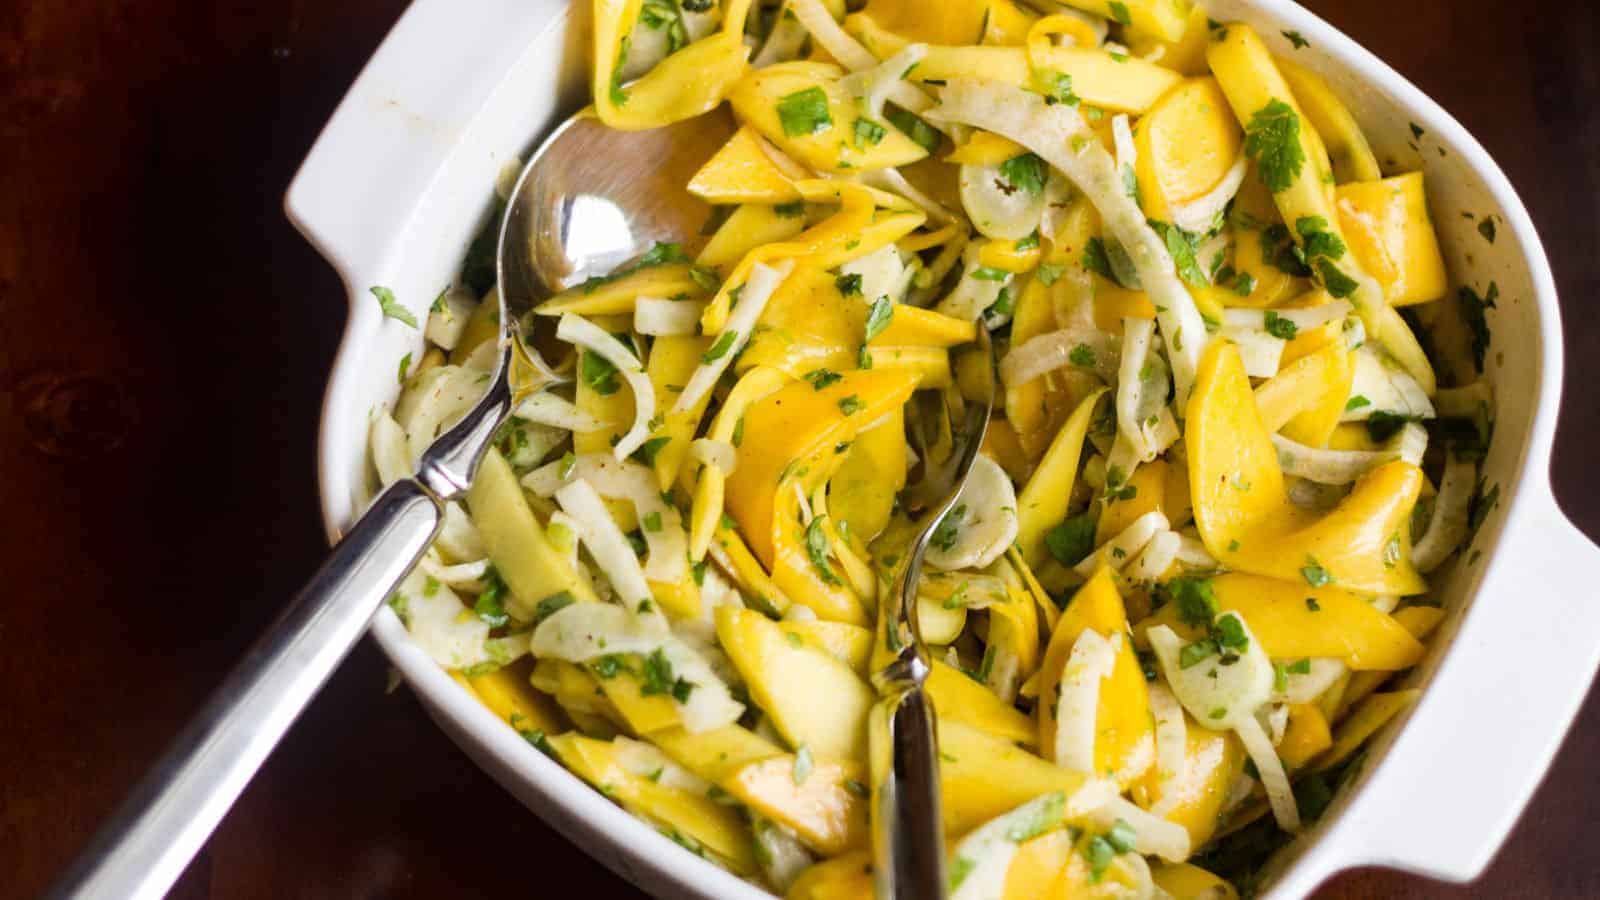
[402, 176]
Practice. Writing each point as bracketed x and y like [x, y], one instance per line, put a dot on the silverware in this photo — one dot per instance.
[907, 820]
[589, 199]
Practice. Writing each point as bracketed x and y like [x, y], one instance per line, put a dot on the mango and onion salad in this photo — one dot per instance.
[1166, 609]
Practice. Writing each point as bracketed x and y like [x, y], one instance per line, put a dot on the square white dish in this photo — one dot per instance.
[403, 175]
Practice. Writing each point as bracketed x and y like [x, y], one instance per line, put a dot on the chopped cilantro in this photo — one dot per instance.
[723, 344]
[647, 451]
[392, 309]
[1119, 12]
[848, 284]
[878, 317]
[1272, 139]
[819, 548]
[819, 379]
[805, 112]
[1281, 326]
[1297, 39]
[598, 373]
[1314, 574]
[1071, 541]
[850, 405]
[869, 133]
[1026, 172]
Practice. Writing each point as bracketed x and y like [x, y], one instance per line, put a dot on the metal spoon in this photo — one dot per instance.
[907, 821]
[589, 199]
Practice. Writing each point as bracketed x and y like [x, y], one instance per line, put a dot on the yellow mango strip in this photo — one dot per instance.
[1244, 514]
[742, 171]
[616, 297]
[1419, 621]
[1043, 502]
[1036, 865]
[1390, 232]
[960, 699]
[1047, 607]
[1187, 54]
[690, 82]
[826, 807]
[982, 776]
[1213, 761]
[762, 98]
[1099, 80]
[706, 513]
[749, 226]
[1007, 257]
[755, 586]
[1044, 31]
[682, 813]
[937, 22]
[1148, 494]
[1273, 286]
[1305, 736]
[849, 644]
[1185, 146]
[862, 491]
[616, 410]
[785, 680]
[1035, 409]
[855, 230]
[1164, 19]
[1364, 720]
[1255, 87]
[1000, 443]
[1014, 626]
[847, 877]
[985, 148]
[1124, 745]
[574, 688]
[672, 360]
[517, 546]
[717, 754]
[1348, 151]
[482, 325]
[1189, 882]
[679, 599]
[785, 429]
[1299, 385]
[1314, 424]
[508, 694]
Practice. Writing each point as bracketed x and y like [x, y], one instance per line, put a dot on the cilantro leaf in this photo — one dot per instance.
[392, 308]
[805, 112]
[1272, 139]
[1027, 172]
[879, 317]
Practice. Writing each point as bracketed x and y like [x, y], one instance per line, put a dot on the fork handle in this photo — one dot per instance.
[149, 841]
[907, 820]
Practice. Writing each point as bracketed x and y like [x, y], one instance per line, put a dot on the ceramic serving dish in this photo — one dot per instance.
[402, 178]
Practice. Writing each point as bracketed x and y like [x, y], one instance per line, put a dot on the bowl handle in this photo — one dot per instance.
[402, 119]
[1480, 740]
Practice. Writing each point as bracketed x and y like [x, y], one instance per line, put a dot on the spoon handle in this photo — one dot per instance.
[908, 824]
[149, 841]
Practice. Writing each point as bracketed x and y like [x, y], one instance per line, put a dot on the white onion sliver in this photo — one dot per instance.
[546, 408]
[606, 543]
[660, 317]
[575, 329]
[1153, 835]
[391, 455]
[1199, 215]
[1273, 777]
[1120, 548]
[1172, 737]
[1050, 351]
[1156, 557]
[719, 455]
[1310, 317]
[834, 39]
[758, 289]
[1448, 525]
[1090, 662]
[1137, 337]
[1260, 352]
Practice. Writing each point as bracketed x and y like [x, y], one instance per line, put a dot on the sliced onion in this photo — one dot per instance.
[1448, 526]
[1308, 686]
[1153, 835]
[391, 455]
[878, 83]
[449, 320]
[997, 208]
[758, 289]
[1090, 662]
[623, 480]
[783, 42]
[546, 408]
[1217, 695]
[606, 543]
[1155, 559]
[1172, 743]
[1310, 317]
[583, 632]
[1387, 387]
[442, 625]
[575, 329]
[646, 761]
[435, 401]
[462, 576]
[717, 454]
[1051, 132]
[458, 538]
[1192, 552]
[987, 519]
[1260, 352]
[660, 317]
[1137, 338]
[1326, 466]
[1122, 142]
[972, 296]
[891, 180]
[1047, 352]
[1201, 215]
[1273, 777]
[883, 274]
[830, 36]
[1121, 548]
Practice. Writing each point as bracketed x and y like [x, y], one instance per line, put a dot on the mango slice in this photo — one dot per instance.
[1243, 510]
[801, 107]
[1186, 144]
[1124, 745]
[1391, 233]
[743, 172]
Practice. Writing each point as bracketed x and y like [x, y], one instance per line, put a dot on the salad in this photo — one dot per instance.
[1242, 416]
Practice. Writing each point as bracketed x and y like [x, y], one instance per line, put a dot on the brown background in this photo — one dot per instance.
[163, 340]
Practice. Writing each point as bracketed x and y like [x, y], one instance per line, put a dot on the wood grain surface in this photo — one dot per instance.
[164, 336]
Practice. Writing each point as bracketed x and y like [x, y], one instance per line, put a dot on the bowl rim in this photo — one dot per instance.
[653, 862]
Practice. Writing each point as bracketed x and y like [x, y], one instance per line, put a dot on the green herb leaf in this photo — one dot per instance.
[1028, 242]
[819, 548]
[1119, 12]
[850, 405]
[1281, 326]
[949, 528]
[405, 366]
[1098, 851]
[819, 379]
[849, 284]
[1297, 39]
[720, 349]
[987, 273]
[1122, 836]
[1181, 244]
[647, 451]
[1071, 541]
[552, 604]
[869, 133]
[1314, 574]
[878, 317]
[1082, 356]
[1196, 599]
[919, 131]
[392, 309]
[1474, 309]
[1272, 139]
[598, 373]
[1027, 172]
[1334, 281]
[805, 112]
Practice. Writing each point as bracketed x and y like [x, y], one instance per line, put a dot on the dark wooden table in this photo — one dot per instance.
[164, 335]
